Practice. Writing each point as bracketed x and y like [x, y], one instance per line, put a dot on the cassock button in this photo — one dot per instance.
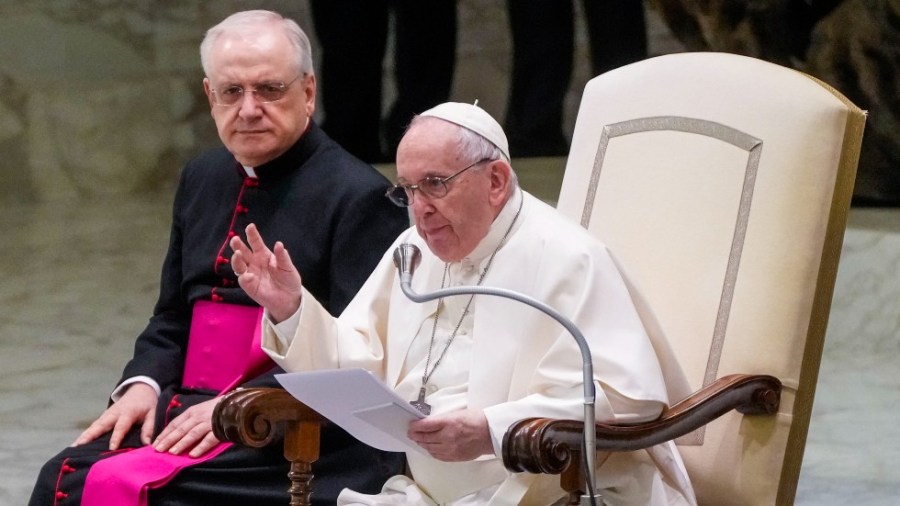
[432, 388]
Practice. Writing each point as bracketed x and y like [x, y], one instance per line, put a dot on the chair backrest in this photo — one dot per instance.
[721, 185]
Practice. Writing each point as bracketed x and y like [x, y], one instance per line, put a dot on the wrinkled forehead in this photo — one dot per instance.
[256, 54]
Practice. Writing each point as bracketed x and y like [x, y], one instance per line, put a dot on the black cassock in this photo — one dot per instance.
[329, 210]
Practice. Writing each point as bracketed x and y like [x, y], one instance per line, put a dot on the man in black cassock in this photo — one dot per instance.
[279, 170]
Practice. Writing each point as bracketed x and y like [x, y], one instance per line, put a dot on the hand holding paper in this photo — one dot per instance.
[454, 437]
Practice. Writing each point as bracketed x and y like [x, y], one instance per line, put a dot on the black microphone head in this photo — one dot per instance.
[407, 257]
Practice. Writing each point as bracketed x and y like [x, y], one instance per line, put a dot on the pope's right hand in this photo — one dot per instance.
[268, 276]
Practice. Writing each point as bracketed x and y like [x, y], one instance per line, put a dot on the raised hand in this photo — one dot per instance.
[137, 405]
[268, 276]
[453, 437]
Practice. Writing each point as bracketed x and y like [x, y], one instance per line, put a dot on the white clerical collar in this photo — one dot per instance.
[250, 172]
[498, 229]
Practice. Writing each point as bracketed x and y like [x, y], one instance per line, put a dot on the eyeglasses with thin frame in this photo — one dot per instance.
[266, 92]
[432, 186]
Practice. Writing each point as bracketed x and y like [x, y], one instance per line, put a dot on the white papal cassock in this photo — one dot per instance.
[507, 358]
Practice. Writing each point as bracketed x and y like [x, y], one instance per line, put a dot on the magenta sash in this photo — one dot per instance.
[223, 351]
[222, 335]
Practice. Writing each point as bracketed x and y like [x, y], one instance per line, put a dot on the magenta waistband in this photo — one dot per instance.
[223, 340]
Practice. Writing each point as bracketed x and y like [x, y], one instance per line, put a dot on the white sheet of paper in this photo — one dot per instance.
[359, 402]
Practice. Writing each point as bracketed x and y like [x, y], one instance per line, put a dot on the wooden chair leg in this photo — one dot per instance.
[301, 448]
[572, 479]
[301, 483]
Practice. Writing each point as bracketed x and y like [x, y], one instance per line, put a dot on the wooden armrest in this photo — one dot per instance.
[542, 445]
[255, 416]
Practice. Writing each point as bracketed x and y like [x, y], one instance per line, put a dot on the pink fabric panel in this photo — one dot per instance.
[124, 480]
[220, 343]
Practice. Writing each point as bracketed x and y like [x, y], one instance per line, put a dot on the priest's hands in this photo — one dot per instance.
[453, 437]
[189, 430]
[136, 406]
[268, 276]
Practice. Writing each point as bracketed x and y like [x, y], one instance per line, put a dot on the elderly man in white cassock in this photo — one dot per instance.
[479, 363]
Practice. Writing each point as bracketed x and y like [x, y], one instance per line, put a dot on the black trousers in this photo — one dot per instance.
[543, 44]
[353, 36]
[239, 476]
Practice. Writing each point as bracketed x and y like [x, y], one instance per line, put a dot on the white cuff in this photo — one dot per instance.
[117, 393]
[284, 331]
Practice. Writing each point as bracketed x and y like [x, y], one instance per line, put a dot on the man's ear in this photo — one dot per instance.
[309, 87]
[501, 179]
[207, 89]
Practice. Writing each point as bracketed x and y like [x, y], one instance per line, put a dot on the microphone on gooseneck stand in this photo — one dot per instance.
[407, 258]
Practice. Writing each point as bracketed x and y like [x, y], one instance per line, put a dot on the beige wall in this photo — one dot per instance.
[104, 98]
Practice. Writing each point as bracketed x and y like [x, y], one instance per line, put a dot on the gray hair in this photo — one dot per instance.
[251, 22]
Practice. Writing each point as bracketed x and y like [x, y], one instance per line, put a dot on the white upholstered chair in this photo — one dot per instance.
[721, 185]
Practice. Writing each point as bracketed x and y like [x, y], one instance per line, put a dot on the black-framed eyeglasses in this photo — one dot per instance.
[266, 92]
[432, 186]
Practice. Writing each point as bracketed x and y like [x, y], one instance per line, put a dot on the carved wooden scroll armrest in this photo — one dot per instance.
[549, 446]
[256, 416]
